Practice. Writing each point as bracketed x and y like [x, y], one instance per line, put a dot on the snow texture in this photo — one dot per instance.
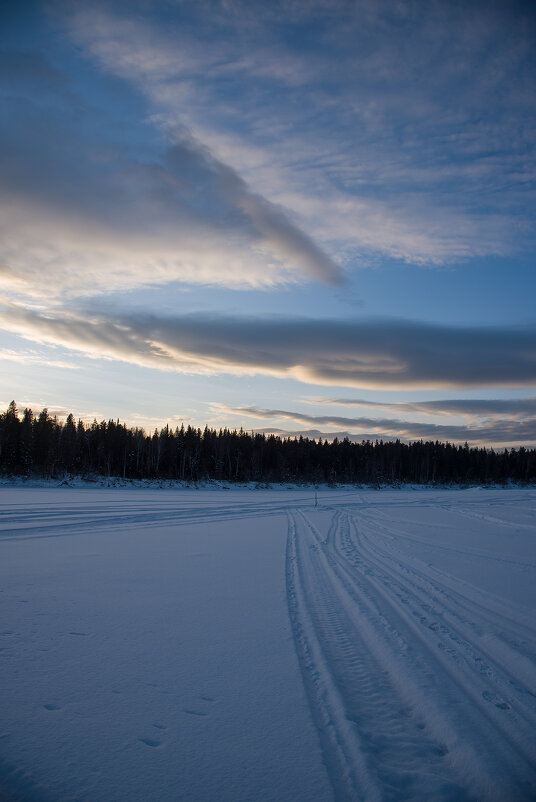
[239, 645]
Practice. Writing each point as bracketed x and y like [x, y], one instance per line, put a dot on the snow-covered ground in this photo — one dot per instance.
[164, 644]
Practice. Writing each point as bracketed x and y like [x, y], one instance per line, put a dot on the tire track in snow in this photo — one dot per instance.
[404, 709]
[40, 523]
[374, 749]
[487, 670]
[382, 521]
[485, 610]
[478, 515]
[340, 747]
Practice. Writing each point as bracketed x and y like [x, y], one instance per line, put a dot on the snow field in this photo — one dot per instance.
[247, 645]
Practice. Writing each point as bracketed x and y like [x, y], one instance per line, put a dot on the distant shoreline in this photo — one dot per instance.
[117, 482]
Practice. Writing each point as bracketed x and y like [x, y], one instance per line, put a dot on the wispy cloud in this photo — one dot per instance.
[254, 162]
[382, 113]
[376, 353]
[86, 216]
[35, 358]
[36, 406]
[464, 407]
[497, 432]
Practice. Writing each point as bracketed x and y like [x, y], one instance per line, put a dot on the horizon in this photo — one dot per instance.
[312, 435]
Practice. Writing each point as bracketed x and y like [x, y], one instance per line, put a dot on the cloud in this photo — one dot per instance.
[378, 353]
[377, 131]
[36, 407]
[317, 434]
[252, 161]
[497, 432]
[85, 210]
[465, 407]
[35, 358]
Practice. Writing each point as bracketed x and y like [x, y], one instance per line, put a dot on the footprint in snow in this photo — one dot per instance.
[197, 709]
[496, 700]
[150, 742]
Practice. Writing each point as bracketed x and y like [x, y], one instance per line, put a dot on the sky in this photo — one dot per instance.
[312, 216]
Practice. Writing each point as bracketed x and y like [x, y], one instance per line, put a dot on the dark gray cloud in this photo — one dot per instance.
[390, 353]
[496, 432]
[219, 189]
[466, 407]
[316, 434]
[364, 353]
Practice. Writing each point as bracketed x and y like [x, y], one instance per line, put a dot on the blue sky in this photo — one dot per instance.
[302, 216]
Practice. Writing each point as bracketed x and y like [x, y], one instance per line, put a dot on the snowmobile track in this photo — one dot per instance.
[406, 676]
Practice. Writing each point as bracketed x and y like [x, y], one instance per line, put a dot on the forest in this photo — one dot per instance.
[45, 446]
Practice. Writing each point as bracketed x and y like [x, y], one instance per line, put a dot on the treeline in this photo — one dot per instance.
[45, 446]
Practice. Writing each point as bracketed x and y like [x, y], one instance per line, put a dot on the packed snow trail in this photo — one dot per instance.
[418, 690]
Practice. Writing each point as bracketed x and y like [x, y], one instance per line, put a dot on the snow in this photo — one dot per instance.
[175, 644]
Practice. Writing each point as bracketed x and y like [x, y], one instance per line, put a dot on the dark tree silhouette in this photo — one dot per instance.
[45, 446]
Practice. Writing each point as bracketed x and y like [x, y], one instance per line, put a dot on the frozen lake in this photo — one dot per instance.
[202, 645]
